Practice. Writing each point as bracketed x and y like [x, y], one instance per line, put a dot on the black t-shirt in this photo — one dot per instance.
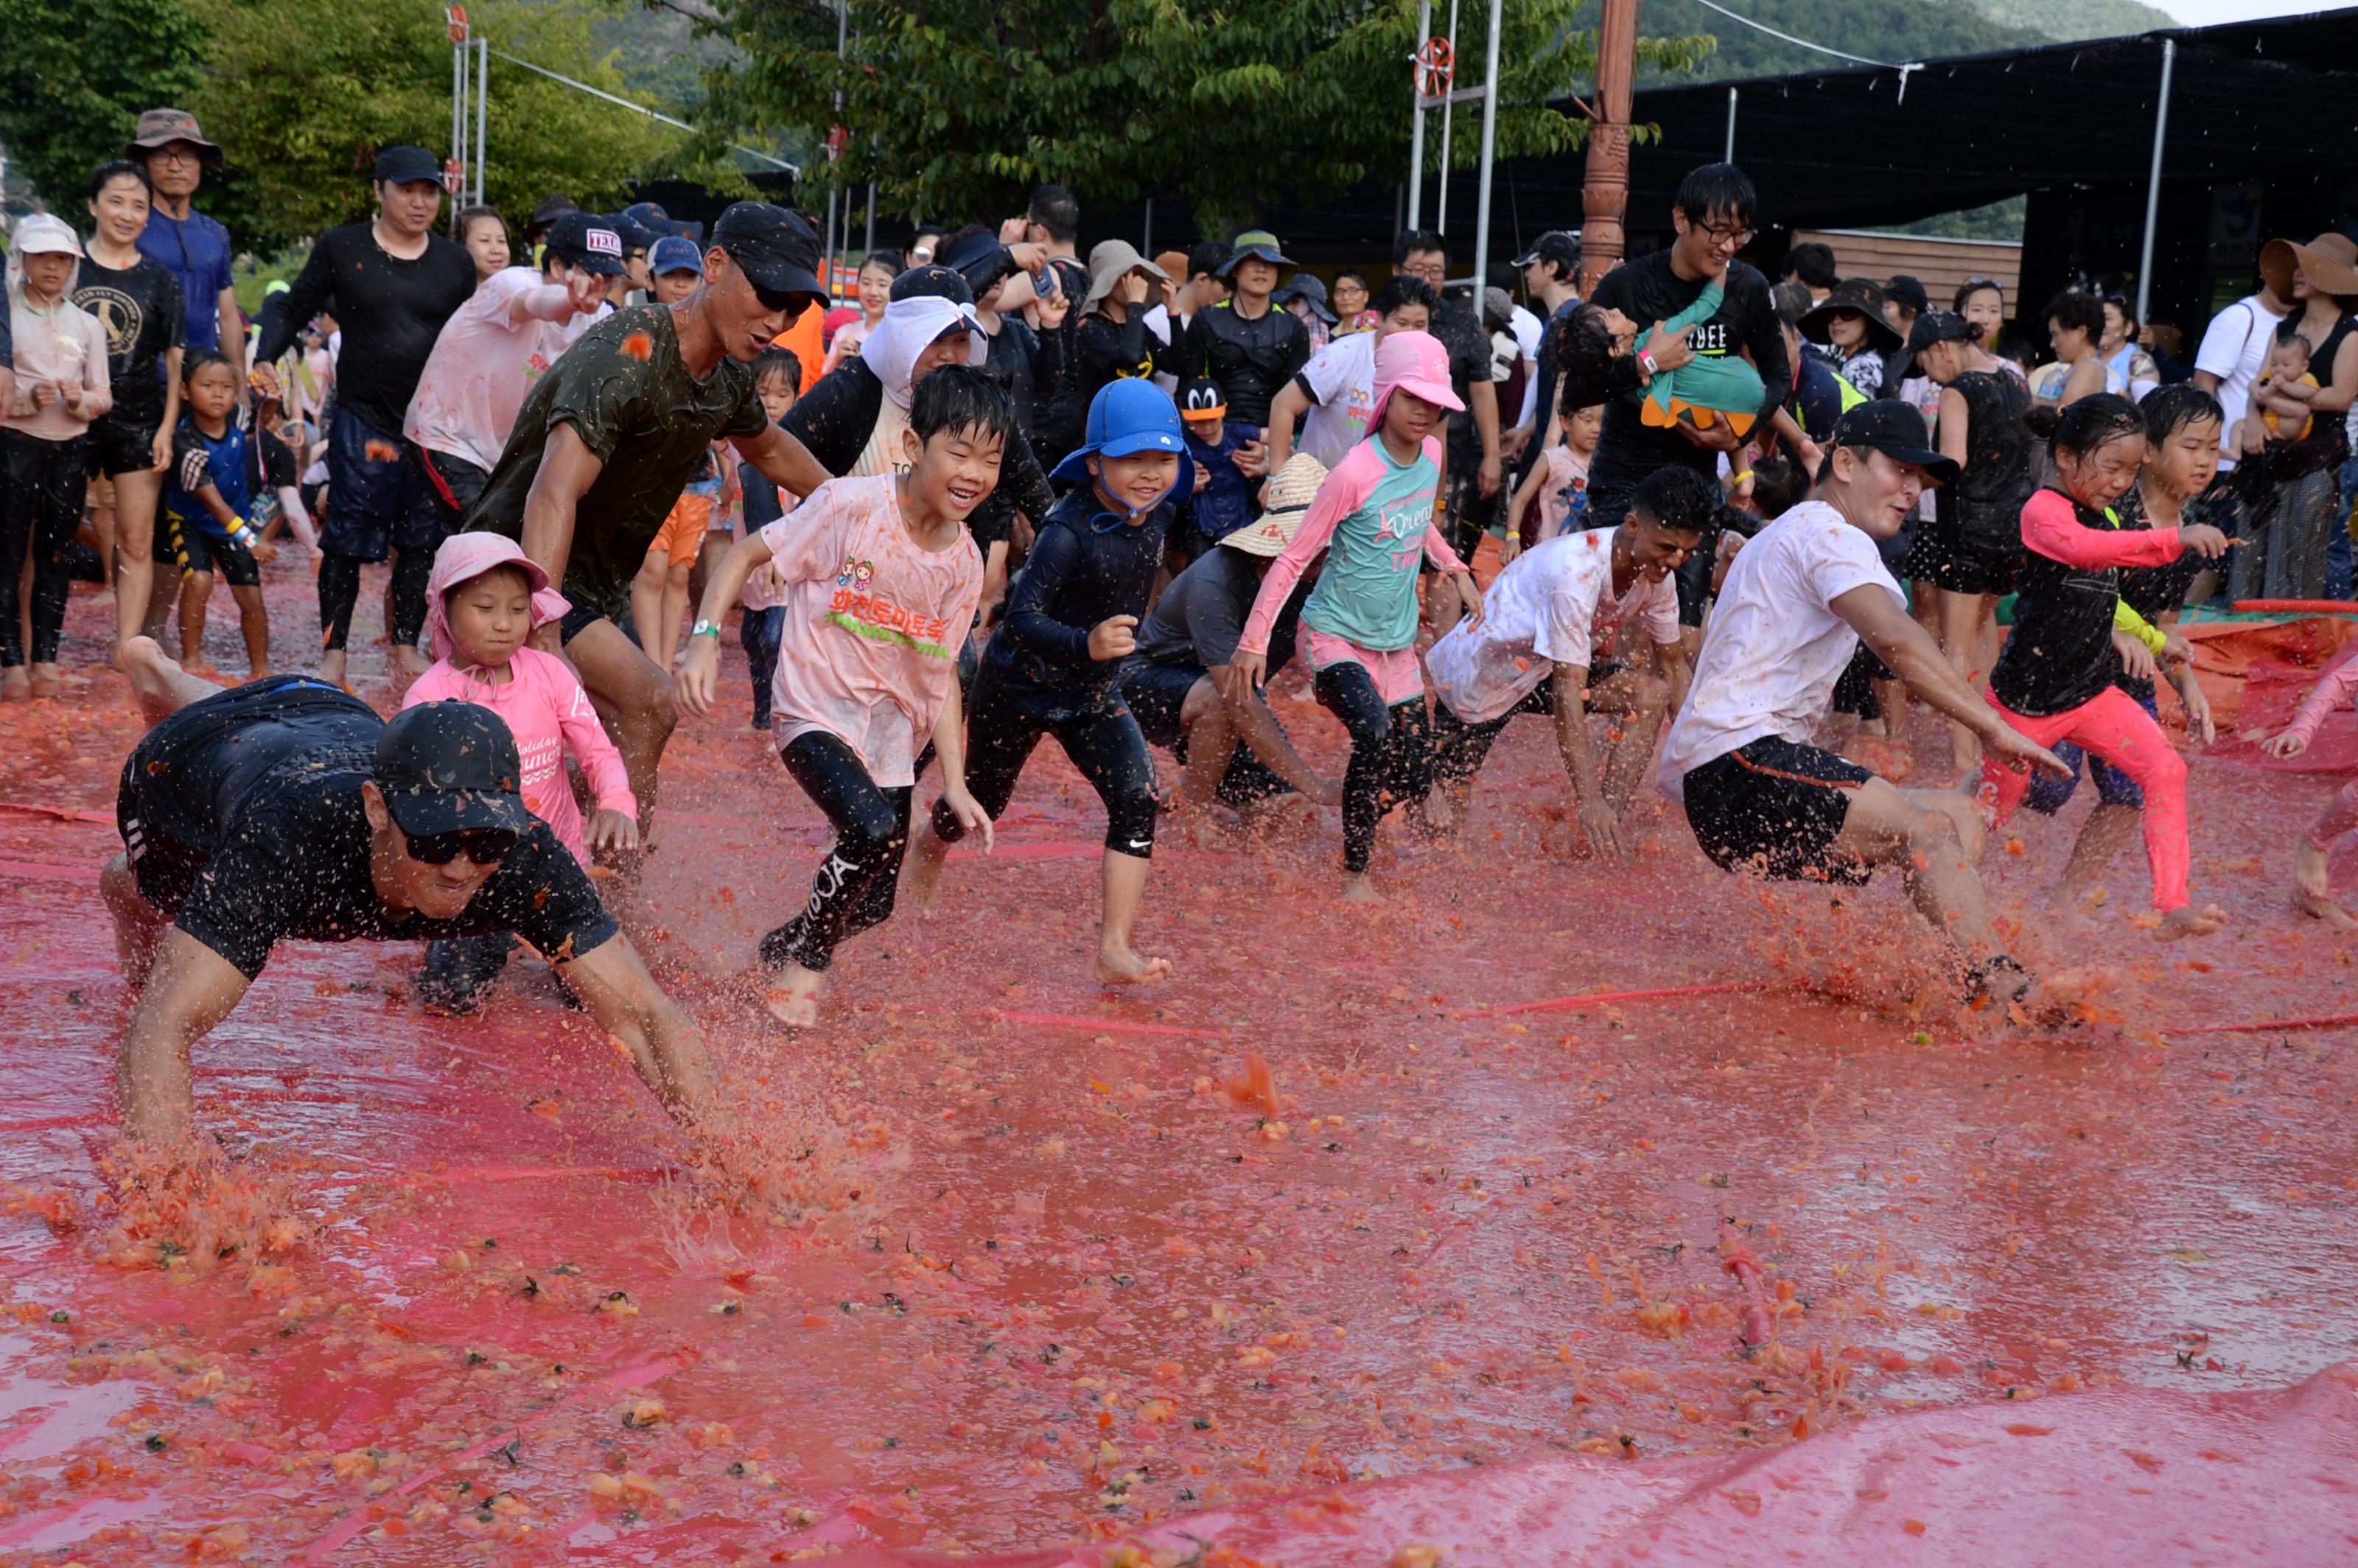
[1460, 331]
[390, 310]
[264, 782]
[1252, 359]
[2061, 653]
[139, 306]
[628, 394]
[1014, 356]
[2156, 591]
[1985, 503]
[1647, 290]
[1201, 617]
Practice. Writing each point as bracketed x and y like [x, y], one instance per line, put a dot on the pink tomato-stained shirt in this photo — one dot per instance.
[546, 709]
[874, 623]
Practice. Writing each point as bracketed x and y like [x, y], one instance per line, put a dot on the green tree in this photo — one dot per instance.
[74, 75]
[960, 107]
[302, 94]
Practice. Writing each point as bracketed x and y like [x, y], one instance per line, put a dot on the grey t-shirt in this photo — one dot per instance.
[1201, 616]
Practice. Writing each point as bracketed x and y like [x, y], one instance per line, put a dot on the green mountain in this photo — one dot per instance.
[2072, 19]
[1877, 29]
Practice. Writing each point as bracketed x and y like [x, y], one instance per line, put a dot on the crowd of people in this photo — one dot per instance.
[1010, 490]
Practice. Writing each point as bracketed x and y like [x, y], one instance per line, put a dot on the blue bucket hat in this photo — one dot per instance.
[1128, 417]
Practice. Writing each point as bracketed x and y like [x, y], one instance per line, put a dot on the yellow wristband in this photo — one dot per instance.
[1740, 477]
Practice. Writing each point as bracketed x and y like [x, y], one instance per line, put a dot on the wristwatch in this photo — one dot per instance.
[706, 629]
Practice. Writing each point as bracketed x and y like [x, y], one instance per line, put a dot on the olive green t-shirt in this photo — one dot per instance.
[628, 394]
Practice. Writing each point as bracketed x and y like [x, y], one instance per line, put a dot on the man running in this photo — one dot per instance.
[288, 809]
[1795, 606]
[391, 283]
[515, 327]
[184, 242]
[606, 438]
[1712, 217]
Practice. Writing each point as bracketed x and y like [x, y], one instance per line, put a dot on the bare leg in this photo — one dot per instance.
[332, 667]
[1211, 742]
[2108, 828]
[135, 497]
[253, 625]
[140, 927]
[1920, 835]
[162, 686]
[101, 528]
[196, 589]
[923, 877]
[1125, 887]
[1961, 638]
[633, 700]
[2312, 894]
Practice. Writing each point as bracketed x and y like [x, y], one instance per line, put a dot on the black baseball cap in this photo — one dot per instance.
[932, 278]
[776, 250]
[588, 241]
[1555, 246]
[451, 767]
[1938, 327]
[981, 259]
[1896, 430]
[407, 165]
[1907, 291]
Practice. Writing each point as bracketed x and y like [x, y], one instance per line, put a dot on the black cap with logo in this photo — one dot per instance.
[1896, 430]
[776, 250]
[588, 241]
[451, 767]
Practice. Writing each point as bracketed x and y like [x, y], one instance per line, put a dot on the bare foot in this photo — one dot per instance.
[2322, 906]
[923, 877]
[1120, 965]
[15, 685]
[793, 1000]
[1358, 888]
[409, 662]
[45, 682]
[157, 682]
[331, 667]
[2188, 921]
[261, 672]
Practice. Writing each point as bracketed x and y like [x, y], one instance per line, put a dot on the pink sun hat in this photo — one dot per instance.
[1414, 363]
[466, 557]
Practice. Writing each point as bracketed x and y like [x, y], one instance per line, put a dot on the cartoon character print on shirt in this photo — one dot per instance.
[879, 620]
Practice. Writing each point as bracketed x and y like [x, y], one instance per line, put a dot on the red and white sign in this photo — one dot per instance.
[457, 15]
[454, 175]
[1436, 67]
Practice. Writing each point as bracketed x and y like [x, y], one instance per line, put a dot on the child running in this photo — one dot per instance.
[209, 508]
[483, 600]
[2312, 892]
[880, 578]
[1052, 667]
[1536, 652]
[2055, 677]
[1558, 483]
[1358, 626]
[778, 377]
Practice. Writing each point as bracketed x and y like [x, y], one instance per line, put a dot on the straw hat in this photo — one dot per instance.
[1291, 492]
[2330, 262]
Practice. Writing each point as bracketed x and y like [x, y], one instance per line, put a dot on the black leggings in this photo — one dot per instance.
[856, 883]
[41, 485]
[1097, 730]
[1392, 759]
[340, 590]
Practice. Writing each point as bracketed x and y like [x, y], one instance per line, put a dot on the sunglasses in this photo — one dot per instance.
[484, 846]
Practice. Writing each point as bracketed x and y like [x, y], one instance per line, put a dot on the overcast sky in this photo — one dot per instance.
[2205, 13]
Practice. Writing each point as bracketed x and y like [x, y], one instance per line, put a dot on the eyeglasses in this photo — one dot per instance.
[174, 152]
[1735, 237]
[1432, 272]
[484, 846]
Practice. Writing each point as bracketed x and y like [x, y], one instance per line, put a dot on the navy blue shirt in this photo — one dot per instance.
[195, 250]
[1224, 505]
[1086, 565]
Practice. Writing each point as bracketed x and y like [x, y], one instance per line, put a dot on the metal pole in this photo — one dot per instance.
[1729, 156]
[1448, 113]
[1146, 244]
[2153, 179]
[868, 240]
[458, 123]
[1490, 142]
[482, 115]
[1416, 123]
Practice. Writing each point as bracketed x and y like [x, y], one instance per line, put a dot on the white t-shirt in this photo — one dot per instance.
[1342, 377]
[1544, 610]
[1775, 647]
[1526, 328]
[2235, 350]
[482, 366]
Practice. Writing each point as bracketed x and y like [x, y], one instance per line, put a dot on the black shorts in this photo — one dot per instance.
[1459, 748]
[1774, 808]
[1925, 553]
[196, 548]
[118, 446]
[1970, 564]
[455, 484]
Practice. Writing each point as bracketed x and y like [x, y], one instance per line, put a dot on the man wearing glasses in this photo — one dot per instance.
[286, 808]
[1713, 220]
[186, 243]
[1471, 486]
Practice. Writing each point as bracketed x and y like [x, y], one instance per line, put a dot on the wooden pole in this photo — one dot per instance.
[1605, 196]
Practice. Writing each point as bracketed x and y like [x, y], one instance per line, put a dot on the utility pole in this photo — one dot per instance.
[1604, 198]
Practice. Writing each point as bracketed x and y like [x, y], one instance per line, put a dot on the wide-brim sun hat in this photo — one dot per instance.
[1291, 491]
[1255, 244]
[1852, 293]
[1111, 261]
[2330, 262]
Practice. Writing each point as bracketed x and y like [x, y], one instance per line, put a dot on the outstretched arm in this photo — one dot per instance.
[665, 1046]
[1883, 625]
[190, 990]
[568, 469]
